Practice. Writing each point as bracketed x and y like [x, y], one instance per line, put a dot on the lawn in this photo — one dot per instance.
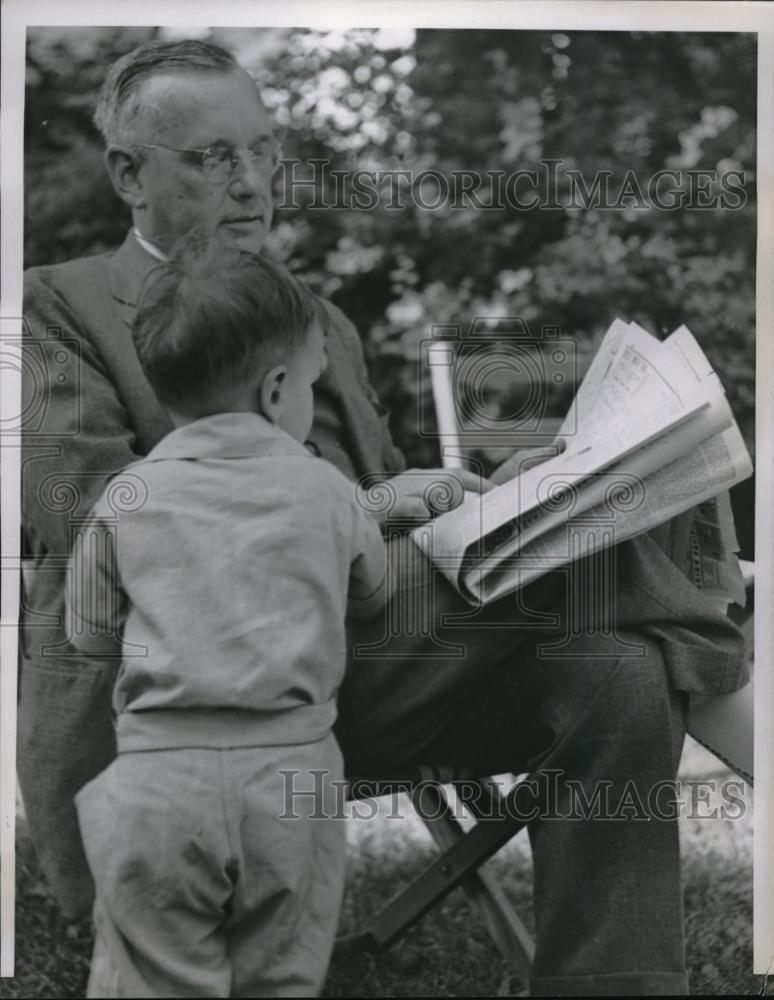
[448, 953]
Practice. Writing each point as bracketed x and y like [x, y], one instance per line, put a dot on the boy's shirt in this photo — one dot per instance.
[230, 551]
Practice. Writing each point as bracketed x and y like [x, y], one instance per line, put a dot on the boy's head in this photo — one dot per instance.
[225, 331]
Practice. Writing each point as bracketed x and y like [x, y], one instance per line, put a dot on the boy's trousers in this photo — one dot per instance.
[217, 872]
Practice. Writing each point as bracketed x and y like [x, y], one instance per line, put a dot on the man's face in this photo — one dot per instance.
[196, 110]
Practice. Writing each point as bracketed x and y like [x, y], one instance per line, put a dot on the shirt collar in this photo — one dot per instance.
[227, 435]
[149, 247]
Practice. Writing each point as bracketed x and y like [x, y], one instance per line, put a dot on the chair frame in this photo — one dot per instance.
[462, 855]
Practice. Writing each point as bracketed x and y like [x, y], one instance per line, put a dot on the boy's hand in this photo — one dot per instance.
[419, 494]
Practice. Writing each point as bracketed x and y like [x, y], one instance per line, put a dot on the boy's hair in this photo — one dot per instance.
[210, 321]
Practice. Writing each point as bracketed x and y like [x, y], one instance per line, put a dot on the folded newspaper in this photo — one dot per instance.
[649, 435]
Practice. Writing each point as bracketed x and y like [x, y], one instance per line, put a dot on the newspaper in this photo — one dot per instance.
[648, 436]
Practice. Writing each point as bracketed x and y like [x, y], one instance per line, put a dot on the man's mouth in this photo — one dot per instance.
[246, 220]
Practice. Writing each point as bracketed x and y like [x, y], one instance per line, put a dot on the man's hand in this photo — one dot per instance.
[419, 494]
[525, 458]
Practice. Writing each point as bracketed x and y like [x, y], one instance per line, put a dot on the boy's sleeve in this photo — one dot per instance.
[369, 579]
[95, 602]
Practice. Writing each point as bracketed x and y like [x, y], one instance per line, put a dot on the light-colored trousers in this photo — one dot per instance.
[216, 873]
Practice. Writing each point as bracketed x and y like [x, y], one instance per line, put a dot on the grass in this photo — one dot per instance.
[448, 953]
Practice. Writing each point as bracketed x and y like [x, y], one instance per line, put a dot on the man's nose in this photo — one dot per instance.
[248, 179]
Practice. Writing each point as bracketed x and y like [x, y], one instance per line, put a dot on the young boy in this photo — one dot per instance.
[222, 589]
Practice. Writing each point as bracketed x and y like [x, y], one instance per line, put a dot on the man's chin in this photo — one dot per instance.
[249, 235]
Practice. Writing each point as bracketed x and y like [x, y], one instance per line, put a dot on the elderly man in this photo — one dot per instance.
[190, 151]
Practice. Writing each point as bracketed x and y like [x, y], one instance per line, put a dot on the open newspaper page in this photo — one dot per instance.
[649, 435]
[712, 542]
[714, 466]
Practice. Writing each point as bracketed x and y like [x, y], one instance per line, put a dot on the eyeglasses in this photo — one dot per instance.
[219, 162]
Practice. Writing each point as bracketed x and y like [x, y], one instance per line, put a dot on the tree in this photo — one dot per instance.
[436, 102]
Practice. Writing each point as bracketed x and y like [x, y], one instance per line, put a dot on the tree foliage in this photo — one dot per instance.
[631, 104]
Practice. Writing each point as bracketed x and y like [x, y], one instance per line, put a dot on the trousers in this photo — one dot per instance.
[218, 873]
[583, 672]
[582, 678]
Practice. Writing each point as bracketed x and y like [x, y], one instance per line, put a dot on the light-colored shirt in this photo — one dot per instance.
[234, 555]
[149, 247]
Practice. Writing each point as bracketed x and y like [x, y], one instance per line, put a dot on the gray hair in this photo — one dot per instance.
[119, 107]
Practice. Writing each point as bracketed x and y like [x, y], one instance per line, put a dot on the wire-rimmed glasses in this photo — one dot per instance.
[219, 162]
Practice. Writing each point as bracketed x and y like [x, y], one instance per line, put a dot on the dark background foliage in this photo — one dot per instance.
[450, 100]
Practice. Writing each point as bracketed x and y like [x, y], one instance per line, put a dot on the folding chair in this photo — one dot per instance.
[459, 863]
[464, 852]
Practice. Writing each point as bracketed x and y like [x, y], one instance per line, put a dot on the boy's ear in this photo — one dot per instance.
[122, 166]
[271, 393]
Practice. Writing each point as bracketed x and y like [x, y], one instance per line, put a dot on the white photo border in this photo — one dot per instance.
[670, 15]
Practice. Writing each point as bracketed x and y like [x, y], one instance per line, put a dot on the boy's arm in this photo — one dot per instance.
[369, 579]
[95, 603]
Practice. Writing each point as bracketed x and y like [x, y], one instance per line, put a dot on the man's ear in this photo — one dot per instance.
[271, 393]
[122, 165]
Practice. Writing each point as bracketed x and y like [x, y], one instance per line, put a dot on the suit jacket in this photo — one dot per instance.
[88, 412]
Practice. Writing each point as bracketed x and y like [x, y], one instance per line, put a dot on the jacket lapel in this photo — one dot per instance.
[130, 267]
[127, 269]
[360, 422]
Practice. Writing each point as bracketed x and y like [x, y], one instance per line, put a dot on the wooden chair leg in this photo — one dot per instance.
[465, 853]
[500, 919]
